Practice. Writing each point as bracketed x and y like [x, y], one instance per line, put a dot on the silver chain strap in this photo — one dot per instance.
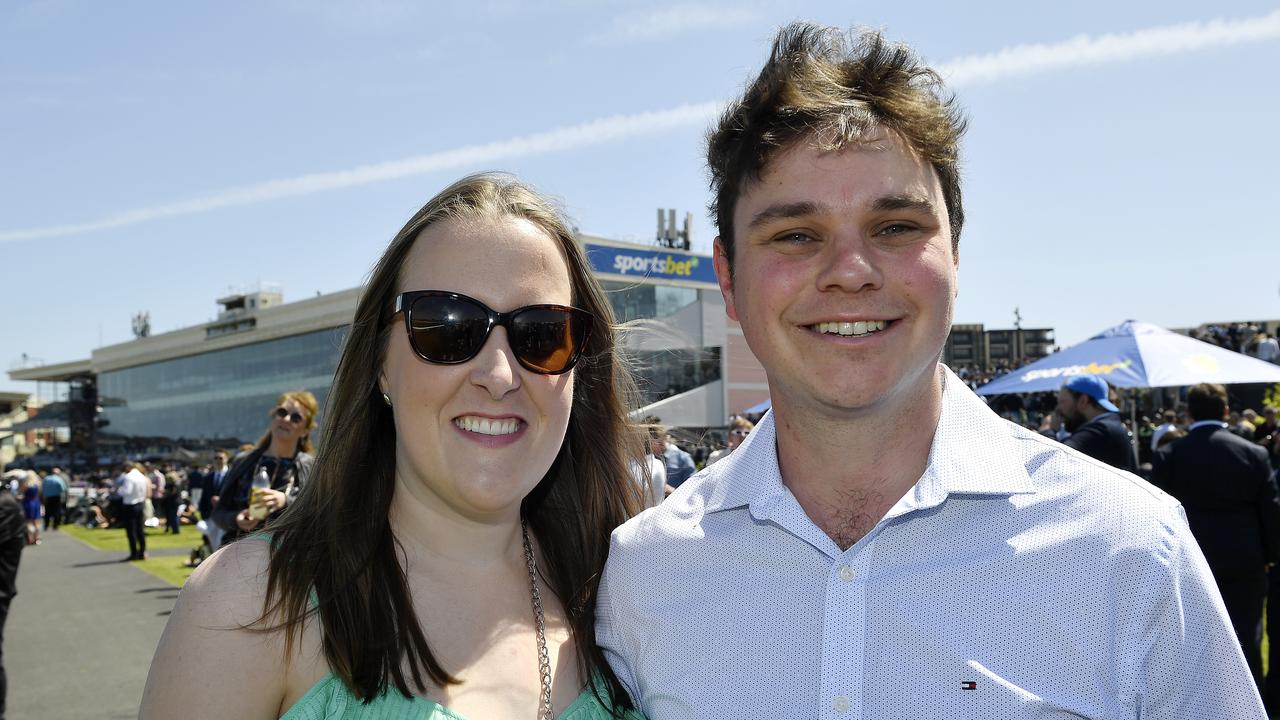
[544, 660]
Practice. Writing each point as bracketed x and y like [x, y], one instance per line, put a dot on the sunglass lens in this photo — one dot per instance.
[447, 330]
[548, 340]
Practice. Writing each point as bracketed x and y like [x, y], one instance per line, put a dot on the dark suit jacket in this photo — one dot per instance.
[1105, 438]
[1225, 485]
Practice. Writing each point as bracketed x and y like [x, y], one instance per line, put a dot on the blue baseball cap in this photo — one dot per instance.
[1093, 386]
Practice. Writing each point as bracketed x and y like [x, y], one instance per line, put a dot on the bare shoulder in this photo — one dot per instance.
[210, 661]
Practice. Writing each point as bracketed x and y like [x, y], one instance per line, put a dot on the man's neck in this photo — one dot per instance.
[848, 470]
[1091, 412]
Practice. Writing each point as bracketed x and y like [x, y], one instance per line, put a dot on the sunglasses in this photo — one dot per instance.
[294, 417]
[739, 432]
[450, 328]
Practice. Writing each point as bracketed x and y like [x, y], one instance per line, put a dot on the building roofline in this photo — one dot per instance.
[57, 372]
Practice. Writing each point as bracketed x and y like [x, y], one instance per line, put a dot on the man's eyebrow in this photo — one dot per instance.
[782, 211]
[903, 202]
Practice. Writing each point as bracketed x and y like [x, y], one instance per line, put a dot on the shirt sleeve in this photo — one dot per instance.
[610, 634]
[1186, 661]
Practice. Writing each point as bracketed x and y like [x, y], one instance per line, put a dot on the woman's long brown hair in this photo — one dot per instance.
[335, 540]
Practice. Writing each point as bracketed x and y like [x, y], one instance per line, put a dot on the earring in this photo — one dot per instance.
[386, 399]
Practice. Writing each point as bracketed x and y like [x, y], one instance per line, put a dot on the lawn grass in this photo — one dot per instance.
[114, 539]
[170, 568]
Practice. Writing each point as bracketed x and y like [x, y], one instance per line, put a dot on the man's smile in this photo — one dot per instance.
[850, 329]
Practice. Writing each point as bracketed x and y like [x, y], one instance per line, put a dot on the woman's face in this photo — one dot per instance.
[444, 455]
[284, 429]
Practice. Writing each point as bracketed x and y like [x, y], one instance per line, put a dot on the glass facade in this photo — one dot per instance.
[221, 396]
[632, 301]
[663, 373]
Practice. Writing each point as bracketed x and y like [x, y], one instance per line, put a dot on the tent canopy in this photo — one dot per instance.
[1137, 354]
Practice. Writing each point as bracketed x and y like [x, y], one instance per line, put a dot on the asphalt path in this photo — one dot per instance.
[81, 632]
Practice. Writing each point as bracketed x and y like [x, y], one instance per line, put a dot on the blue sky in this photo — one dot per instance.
[1120, 163]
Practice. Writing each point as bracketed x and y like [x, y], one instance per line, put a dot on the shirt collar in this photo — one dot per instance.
[973, 452]
[1206, 423]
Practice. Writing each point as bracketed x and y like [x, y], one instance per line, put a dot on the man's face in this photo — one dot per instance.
[844, 277]
[1069, 409]
[219, 461]
[658, 445]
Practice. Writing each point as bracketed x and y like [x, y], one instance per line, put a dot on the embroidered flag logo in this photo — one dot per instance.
[969, 685]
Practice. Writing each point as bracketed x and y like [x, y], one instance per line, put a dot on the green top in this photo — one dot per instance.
[330, 699]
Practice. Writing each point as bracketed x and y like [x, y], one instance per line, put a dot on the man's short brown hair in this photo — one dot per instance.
[835, 90]
[1207, 401]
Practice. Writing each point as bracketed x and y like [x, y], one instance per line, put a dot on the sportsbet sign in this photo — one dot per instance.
[652, 264]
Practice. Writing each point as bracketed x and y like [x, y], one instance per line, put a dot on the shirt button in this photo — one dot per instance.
[840, 704]
[846, 573]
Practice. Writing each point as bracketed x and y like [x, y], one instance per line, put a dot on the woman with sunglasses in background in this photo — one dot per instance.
[444, 558]
[739, 429]
[283, 455]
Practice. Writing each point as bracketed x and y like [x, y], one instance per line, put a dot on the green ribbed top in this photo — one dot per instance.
[330, 699]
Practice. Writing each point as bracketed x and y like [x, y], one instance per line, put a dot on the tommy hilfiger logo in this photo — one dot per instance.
[968, 685]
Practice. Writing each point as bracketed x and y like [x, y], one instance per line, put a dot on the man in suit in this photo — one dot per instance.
[1094, 422]
[213, 480]
[1225, 485]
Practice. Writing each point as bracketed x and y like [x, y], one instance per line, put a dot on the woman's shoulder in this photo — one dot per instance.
[232, 583]
[215, 623]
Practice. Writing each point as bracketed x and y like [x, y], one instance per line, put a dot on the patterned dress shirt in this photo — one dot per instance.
[1016, 579]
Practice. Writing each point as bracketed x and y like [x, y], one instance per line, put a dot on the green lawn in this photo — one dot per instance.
[170, 568]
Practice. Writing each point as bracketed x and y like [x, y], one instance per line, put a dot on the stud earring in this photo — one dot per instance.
[386, 399]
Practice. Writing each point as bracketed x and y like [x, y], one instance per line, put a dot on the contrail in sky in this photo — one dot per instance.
[1011, 62]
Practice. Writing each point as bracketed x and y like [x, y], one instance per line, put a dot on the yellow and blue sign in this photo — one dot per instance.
[650, 264]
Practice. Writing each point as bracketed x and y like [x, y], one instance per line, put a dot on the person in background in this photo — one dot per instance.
[679, 464]
[1170, 423]
[54, 492]
[284, 454]
[214, 480]
[739, 429]
[1224, 483]
[133, 486]
[1094, 422]
[1239, 426]
[13, 538]
[32, 506]
[172, 501]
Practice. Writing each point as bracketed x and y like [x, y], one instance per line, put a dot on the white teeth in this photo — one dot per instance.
[485, 426]
[861, 327]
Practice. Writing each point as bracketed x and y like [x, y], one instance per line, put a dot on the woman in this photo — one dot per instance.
[284, 455]
[31, 507]
[443, 560]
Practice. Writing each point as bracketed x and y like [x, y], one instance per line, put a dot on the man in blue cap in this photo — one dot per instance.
[1094, 422]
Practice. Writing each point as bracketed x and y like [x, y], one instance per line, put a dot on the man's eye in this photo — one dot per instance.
[896, 229]
[795, 238]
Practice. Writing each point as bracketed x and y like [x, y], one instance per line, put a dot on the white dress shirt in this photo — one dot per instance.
[1016, 579]
[133, 487]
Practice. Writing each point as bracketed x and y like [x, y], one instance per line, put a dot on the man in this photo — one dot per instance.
[13, 537]
[1170, 423]
[1262, 431]
[1268, 349]
[882, 545]
[52, 491]
[133, 487]
[1094, 422]
[1224, 483]
[679, 464]
[209, 500]
[1238, 425]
